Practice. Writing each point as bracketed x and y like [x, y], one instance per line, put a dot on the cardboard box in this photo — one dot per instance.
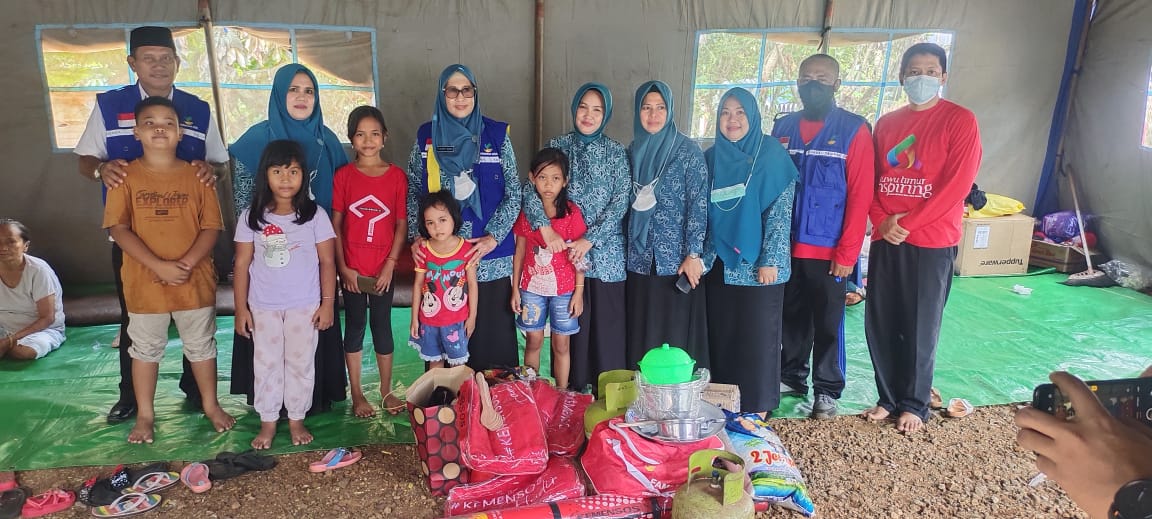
[997, 245]
[1062, 257]
[727, 396]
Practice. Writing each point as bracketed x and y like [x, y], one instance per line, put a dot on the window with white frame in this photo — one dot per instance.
[767, 63]
[82, 61]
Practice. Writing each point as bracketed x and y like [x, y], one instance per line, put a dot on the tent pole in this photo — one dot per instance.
[1047, 192]
[826, 27]
[206, 22]
[538, 72]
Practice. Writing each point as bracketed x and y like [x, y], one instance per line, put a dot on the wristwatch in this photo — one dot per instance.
[96, 172]
[1133, 501]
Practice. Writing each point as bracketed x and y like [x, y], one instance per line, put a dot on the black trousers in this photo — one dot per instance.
[599, 345]
[744, 339]
[813, 322]
[907, 290]
[127, 389]
[659, 313]
[493, 343]
[362, 310]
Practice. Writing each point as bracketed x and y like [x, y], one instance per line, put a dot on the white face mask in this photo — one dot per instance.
[645, 198]
[921, 89]
[464, 186]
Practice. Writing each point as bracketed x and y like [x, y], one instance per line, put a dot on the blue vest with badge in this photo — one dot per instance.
[119, 106]
[489, 174]
[822, 193]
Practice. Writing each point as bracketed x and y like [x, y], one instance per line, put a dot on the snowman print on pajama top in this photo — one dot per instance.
[276, 251]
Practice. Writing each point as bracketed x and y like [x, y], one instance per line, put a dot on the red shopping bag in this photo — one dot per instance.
[436, 428]
[558, 481]
[619, 461]
[563, 415]
[517, 446]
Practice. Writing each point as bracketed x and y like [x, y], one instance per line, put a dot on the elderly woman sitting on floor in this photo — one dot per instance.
[31, 312]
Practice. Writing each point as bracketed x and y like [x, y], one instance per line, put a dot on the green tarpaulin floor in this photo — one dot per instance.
[995, 346]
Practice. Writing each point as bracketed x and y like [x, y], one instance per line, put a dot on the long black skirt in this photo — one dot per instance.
[599, 345]
[744, 334]
[331, 376]
[659, 313]
[493, 343]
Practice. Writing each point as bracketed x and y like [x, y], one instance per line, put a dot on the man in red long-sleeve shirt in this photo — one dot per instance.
[927, 156]
[832, 149]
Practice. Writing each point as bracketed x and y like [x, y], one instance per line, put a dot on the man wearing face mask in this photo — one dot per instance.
[928, 153]
[832, 149]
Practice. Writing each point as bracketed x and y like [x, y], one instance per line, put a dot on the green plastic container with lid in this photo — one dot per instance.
[667, 365]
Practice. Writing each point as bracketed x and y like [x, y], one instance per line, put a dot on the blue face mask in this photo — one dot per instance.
[921, 89]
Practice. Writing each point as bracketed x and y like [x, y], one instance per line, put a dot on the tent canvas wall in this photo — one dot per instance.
[1006, 66]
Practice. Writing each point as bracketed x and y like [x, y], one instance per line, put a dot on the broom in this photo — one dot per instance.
[1090, 277]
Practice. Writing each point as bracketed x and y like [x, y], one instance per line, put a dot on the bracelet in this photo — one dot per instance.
[327, 297]
[579, 286]
[386, 260]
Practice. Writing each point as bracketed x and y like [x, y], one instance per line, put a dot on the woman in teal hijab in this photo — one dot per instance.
[293, 113]
[471, 156]
[599, 184]
[664, 234]
[748, 248]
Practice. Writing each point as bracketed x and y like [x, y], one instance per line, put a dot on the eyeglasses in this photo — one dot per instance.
[453, 92]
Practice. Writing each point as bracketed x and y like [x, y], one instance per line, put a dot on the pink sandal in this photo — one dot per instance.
[336, 458]
[195, 477]
[50, 502]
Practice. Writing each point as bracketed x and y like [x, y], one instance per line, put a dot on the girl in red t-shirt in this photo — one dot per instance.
[551, 288]
[368, 212]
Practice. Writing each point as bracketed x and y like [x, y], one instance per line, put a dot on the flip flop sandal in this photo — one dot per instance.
[935, 401]
[250, 460]
[959, 408]
[336, 458]
[153, 482]
[12, 502]
[50, 502]
[195, 476]
[128, 504]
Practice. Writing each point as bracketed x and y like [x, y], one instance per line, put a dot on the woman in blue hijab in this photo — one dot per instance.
[664, 234]
[293, 113]
[471, 156]
[748, 248]
[599, 184]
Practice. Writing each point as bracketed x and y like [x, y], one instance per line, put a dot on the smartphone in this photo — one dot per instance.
[367, 285]
[1128, 397]
[683, 285]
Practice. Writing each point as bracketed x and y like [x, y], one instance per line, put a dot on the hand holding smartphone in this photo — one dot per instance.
[683, 285]
[367, 285]
[1123, 398]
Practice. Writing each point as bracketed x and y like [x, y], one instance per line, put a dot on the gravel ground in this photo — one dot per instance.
[963, 468]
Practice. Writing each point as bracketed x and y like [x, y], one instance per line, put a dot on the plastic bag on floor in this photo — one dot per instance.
[775, 476]
[518, 447]
[1127, 274]
[563, 415]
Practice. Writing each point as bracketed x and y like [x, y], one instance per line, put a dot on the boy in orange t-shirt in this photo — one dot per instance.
[166, 222]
